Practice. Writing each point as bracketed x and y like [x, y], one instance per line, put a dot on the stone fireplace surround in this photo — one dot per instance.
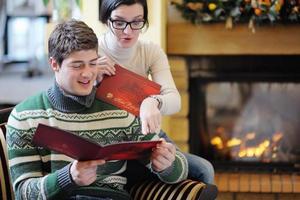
[215, 41]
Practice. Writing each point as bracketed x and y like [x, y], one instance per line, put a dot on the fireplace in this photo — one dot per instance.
[245, 111]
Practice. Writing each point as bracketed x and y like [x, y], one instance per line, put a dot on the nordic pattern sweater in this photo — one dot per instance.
[38, 173]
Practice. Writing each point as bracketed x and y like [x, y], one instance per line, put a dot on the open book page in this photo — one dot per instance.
[82, 149]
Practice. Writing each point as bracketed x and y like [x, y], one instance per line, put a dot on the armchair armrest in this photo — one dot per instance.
[188, 189]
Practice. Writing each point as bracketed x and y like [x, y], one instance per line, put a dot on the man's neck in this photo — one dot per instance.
[69, 103]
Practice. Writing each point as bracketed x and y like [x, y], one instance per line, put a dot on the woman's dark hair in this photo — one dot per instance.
[107, 6]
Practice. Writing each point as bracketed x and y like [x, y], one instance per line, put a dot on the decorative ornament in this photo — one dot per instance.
[255, 12]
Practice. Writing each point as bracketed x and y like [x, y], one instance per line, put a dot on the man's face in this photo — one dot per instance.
[77, 73]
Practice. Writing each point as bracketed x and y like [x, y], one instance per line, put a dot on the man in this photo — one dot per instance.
[70, 104]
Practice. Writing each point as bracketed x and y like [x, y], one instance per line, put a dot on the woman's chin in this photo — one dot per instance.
[126, 44]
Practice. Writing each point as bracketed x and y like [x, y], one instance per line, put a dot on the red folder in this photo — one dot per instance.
[83, 149]
[126, 90]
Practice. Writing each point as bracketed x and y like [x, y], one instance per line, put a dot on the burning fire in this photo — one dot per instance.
[247, 147]
[254, 151]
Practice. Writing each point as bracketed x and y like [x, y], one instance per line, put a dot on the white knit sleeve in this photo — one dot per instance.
[161, 74]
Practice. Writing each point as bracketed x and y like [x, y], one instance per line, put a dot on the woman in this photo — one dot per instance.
[125, 20]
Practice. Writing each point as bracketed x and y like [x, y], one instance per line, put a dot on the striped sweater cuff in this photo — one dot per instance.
[167, 171]
[65, 180]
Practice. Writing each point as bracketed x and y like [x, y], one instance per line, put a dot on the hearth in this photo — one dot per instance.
[245, 111]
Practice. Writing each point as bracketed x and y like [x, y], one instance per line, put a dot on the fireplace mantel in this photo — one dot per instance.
[213, 39]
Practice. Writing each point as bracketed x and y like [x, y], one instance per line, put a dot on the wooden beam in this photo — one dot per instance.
[214, 39]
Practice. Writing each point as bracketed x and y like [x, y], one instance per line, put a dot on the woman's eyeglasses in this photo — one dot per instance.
[121, 25]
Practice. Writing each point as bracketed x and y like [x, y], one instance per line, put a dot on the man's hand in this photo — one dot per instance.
[163, 156]
[84, 172]
[105, 67]
[150, 116]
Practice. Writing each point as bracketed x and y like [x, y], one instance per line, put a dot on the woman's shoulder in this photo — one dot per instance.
[148, 44]
[150, 48]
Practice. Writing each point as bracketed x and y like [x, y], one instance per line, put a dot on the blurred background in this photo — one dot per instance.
[24, 28]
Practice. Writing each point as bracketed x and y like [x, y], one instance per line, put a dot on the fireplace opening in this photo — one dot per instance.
[245, 111]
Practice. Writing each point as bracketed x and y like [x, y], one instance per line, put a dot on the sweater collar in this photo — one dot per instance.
[120, 54]
[68, 103]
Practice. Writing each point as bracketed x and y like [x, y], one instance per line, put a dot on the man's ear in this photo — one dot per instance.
[54, 64]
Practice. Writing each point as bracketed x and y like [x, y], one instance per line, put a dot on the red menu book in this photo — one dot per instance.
[83, 149]
[126, 90]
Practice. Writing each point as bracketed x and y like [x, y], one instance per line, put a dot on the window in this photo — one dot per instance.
[25, 38]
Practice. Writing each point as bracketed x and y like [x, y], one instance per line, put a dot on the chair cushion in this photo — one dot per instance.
[6, 190]
[188, 189]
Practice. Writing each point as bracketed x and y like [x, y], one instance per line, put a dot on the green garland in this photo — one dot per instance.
[235, 11]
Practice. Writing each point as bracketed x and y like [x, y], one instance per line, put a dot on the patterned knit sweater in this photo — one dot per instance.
[38, 173]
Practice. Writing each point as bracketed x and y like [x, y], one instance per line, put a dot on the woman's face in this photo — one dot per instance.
[134, 13]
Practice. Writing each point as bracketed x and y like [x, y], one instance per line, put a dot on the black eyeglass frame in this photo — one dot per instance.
[126, 24]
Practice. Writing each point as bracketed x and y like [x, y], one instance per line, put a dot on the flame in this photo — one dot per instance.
[255, 151]
[250, 136]
[217, 141]
[277, 137]
[234, 142]
[241, 149]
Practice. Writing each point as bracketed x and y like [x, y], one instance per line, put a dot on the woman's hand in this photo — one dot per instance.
[85, 172]
[105, 67]
[163, 156]
[150, 116]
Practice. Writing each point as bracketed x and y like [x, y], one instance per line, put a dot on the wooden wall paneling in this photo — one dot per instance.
[234, 182]
[296, 183]
[245, 182]
[266, 183]
[276, 183]
[288, 197]
[226, 196]
[223, 182]
[254, 196]
[255, 183]
[287, 184]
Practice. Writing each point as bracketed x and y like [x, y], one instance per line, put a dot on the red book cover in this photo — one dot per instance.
[126, 90]
[82, 149]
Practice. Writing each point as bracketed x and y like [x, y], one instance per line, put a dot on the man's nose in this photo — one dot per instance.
[86, 73]
[88, 70]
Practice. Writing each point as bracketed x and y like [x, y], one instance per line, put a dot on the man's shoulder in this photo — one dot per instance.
[36, 101]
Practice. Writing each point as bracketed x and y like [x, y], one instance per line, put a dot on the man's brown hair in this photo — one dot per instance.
[70, 36]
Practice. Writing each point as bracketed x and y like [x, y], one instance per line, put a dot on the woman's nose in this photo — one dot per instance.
[127, 29]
